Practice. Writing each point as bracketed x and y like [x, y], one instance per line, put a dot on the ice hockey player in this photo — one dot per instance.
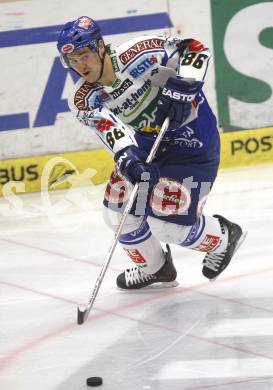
[123, 95]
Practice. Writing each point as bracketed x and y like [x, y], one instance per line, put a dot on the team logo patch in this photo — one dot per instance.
[83, 94]
[133, 101]
[85, 22]
[192, 143]
[133, 51]
[124, 86]
[68, 48]
[104, 124]
[118, 189]
[87, 117]
[196, 46]
[98, 98]
[208, 244]
[143, 66]
[170, 197]
[115, 63]
[135, 255]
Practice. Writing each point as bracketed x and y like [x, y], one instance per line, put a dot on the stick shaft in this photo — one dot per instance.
[82, 315]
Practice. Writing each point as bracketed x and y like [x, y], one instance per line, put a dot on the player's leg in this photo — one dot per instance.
[212, 234]
[178, 200]
[217, 260]
[152, 264]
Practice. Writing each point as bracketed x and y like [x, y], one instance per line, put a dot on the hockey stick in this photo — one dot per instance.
[83, 314]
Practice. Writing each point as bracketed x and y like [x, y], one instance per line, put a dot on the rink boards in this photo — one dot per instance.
[43, 148]
[91, 167]
[246, 147]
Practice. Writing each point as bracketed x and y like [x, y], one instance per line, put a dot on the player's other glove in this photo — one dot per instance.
[131, 163]
[176, 100]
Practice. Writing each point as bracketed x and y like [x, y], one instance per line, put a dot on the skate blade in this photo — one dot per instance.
[152, 287]
[242, 239]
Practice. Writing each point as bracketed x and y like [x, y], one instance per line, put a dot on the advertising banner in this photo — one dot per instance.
[243, 56]
[62, 171]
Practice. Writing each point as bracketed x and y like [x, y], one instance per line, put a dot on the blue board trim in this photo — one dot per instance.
[123, 25]
[14, 121]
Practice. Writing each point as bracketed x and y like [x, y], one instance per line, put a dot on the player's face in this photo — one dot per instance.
[86, 62]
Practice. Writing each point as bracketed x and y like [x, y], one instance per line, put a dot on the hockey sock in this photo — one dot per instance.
[137, 240]
[207, 235]
[143, 248]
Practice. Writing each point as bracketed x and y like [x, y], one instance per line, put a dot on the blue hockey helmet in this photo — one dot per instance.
[82, 32]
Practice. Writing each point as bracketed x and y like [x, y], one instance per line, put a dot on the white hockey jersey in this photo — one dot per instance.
[122, 113]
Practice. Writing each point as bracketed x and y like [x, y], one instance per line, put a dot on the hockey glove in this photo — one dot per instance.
[131, 163]
[176, 101]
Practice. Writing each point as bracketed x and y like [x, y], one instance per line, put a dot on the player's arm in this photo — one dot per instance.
[193, 59]
[120, 141]
[110, 129]
[189, 57]
[181, 90]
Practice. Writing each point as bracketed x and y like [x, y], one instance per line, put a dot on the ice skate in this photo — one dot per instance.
[135, 278]
[215, 263]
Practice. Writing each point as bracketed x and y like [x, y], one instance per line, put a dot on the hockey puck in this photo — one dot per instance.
[94, 381]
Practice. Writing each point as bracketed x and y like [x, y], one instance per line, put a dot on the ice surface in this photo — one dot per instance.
[200, 335]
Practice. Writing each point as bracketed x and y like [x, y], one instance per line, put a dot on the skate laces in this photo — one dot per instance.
[136, 275]
[214, 260]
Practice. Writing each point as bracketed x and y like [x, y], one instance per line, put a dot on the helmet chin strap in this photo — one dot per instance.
[102, 65]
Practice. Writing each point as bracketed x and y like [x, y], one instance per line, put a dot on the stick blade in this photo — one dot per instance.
[82, 316]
